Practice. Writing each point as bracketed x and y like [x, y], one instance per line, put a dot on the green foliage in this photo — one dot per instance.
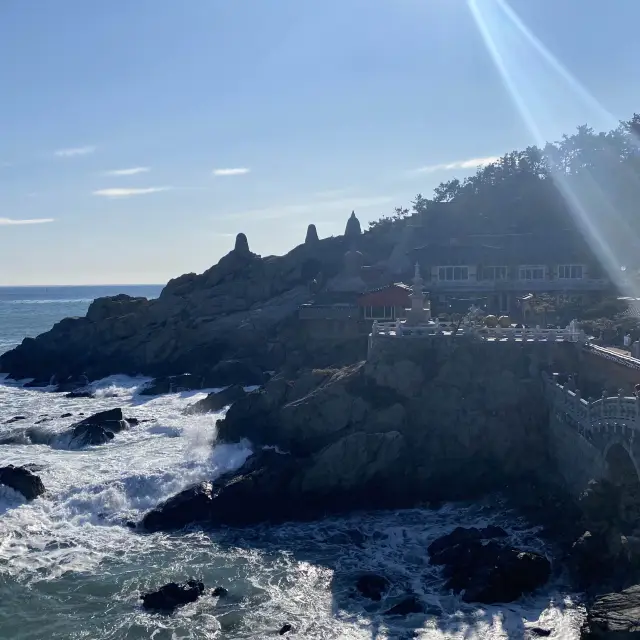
[518, 192]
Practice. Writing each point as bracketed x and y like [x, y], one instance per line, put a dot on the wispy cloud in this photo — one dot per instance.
[133, 171]
[74, 151]
[14, 221]
[324, 208]
[238, 171]
[118, 192]
[471, 163]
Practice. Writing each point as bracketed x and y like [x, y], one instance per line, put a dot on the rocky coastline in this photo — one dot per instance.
[334, 432]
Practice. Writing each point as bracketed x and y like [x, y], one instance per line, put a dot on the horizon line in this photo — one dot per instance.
[108, 284]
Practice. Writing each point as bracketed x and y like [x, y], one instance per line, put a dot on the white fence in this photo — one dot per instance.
[400, 329]
[605, 411]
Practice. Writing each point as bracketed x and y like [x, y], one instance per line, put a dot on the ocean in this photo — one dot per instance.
[70, 568]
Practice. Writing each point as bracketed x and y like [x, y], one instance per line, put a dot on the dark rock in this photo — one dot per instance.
[36, 384]
[22, 480]
[594, 556]
[72, 383]
[409, 605]
[217, 401]
[372, 586]
[98, 428]
[312, 235]
[540, 632]
[66, 415]
[487, 572]
[191, 506]
[285, 629]
[235, 372]
[80, 394]
[130, 524]
[352, 230]
[171, 596]
[173, 384]
[15, 419]
[242, 244]
[614, 615]
[220, 592]
[257, 492]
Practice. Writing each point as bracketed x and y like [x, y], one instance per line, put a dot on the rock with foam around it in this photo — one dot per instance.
[173, 595]
[22, 480]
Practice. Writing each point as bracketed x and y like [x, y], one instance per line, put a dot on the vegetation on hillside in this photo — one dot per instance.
[520, 193]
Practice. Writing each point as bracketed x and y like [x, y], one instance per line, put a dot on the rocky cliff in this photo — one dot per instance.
[441, 420]
[237, 308]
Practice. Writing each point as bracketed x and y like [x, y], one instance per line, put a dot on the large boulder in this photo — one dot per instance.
[217, 400]
[22, 480]
[487, 572]
[235, 372]
[257, 492]
[614, 615]
[173, 595]
[173, 384]
[97, 429]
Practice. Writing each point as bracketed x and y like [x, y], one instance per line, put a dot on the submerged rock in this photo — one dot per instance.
[487, 572]
[220, 592]
[372, 586]
[15, 419]
[285, 628]
[216, 401]
[171, 596]
[22, 480]
[409, 605]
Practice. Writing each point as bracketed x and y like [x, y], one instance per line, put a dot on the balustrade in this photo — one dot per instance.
[604, 411]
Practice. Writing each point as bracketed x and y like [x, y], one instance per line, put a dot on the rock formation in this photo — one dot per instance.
[352, 230]
[243, 307]
[22, 480]
[312, 235]
[438, 422]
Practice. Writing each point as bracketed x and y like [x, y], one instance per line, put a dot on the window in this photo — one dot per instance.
[494, 273]
[570, 271]
[378, 313]
[528, 272]
[453, 273]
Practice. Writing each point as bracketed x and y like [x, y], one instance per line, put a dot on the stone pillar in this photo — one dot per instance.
[312, 235]
[352, 230]
[242, 245]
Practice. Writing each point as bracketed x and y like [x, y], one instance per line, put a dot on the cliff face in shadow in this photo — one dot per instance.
[234, 309]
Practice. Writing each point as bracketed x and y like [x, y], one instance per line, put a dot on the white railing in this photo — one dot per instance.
[400, 329]
[605, 411]
[619, 358]
[561, 284]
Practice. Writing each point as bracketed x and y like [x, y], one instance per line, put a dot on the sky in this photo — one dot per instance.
[138, 138]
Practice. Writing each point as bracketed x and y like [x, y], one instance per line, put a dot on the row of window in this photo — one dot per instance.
[525, 272]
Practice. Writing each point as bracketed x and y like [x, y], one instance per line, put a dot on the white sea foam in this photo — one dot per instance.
[69, 563]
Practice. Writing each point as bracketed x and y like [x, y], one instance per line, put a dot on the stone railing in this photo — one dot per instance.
[618, 358]
[400, 329]
[589, 414]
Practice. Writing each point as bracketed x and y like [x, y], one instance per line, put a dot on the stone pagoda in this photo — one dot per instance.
[420, 311]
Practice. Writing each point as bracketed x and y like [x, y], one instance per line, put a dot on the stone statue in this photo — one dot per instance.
[312, 235]
[242, 244]
[352, 229]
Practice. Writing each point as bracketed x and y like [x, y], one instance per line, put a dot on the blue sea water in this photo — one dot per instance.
[70, 568]
[29, 311]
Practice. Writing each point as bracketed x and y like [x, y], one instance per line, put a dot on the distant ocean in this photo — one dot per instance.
[29, 311]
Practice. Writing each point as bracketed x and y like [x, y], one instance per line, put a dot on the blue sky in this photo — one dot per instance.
[137, 138]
